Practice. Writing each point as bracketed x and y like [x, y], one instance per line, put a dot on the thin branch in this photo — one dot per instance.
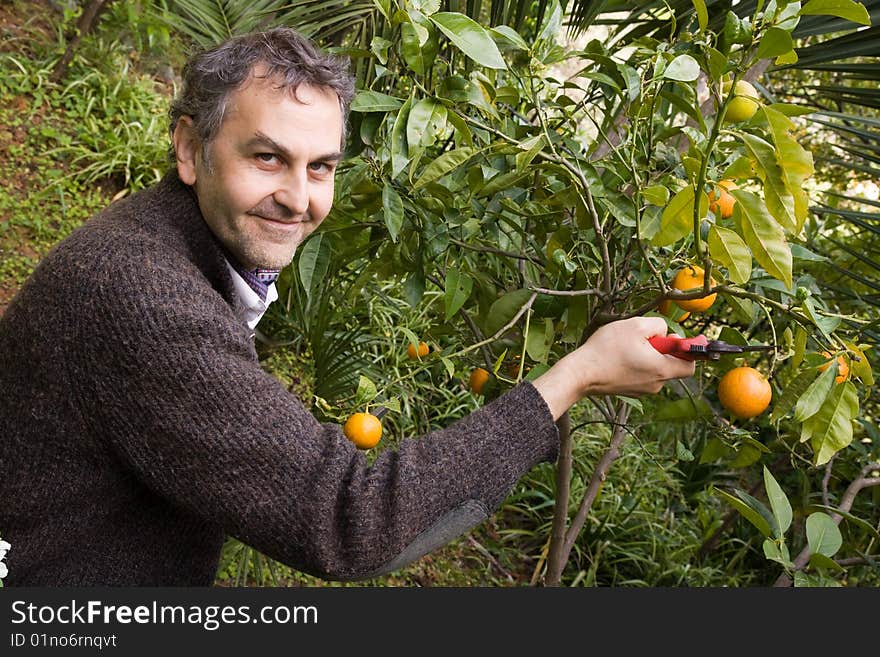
[592, 292]
[556, 557]
[492, 560]
[863, 481]
[599, 476]
[489, 249]
[826, 500]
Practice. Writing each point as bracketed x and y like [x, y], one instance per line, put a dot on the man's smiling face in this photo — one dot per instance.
[268, 181]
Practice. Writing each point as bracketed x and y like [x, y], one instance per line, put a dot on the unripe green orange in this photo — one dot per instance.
[744, 103]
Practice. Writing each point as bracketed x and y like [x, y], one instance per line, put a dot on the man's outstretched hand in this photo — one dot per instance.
[616, 359]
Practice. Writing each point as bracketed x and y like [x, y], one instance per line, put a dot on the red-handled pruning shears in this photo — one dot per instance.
[700, 347]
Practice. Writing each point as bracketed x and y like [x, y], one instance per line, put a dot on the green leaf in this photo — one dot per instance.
[746, 455]
[656, 194]
[747, 512]
[714, 450]
[778, 503]
[793, 391]
[823, 534]
[366, 391]
[800, 346]
[444, 164]
[702, 14]
[531, 147]
[819, 561]
[683, 68]
[682, 452]
[775, 42]
[728, 249]
[414, 288]
[677, 219]
[509, 35]
[458, 289]
[427, 119]
[744, 308]
[504, 309]
[764, 236]
[826, 324]
[741, 167]
[373, 101]
[862, 524]
[314, 262]
[682, 410]
[392, 207]
[418, 47]
[831, 428]
[811, 401]
[399, 147]
[552, 22]
[539, 340]
[777, 552]
[799, 252]
[796, 164]
[790, 57]
[717, 63]
[449, 365]
[779, 200]
[807, 580]
[847, 9]
[379, 47]
[469, 37]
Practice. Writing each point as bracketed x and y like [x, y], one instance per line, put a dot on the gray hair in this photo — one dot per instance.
[210, 76]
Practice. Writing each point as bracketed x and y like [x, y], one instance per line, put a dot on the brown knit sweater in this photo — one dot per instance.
[138, 428]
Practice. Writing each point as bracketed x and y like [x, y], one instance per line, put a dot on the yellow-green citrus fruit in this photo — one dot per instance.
[744, 103]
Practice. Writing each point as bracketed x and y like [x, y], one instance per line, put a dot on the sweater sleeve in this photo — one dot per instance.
[170, 380]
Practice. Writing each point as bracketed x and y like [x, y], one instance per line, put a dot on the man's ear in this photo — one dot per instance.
[186, 148]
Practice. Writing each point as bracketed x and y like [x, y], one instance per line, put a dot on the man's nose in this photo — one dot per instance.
[293, 192]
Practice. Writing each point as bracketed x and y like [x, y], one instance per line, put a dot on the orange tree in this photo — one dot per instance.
[543, 203]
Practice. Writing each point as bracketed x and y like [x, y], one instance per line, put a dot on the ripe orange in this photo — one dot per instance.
[672, 311]
[687, 279]
[744, 392]
[842, 367]
[478, 379]
[722, 206]
[744, 103]
[363, 429]
[414, 352]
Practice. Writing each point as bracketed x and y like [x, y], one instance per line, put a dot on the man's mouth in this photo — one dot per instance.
[281, 221]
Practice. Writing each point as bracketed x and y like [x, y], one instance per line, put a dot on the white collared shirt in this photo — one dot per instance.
[254, 306]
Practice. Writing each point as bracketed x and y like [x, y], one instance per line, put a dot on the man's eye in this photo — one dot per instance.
[268, 158]
[321, 167]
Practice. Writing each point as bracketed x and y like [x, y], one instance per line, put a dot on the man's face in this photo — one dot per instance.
[268, 182]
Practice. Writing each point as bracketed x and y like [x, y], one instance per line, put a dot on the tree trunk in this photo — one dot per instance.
[87, 21]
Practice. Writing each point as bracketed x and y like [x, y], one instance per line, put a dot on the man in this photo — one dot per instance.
[139, 428]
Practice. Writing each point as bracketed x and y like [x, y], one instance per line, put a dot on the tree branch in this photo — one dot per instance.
[863, 481]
